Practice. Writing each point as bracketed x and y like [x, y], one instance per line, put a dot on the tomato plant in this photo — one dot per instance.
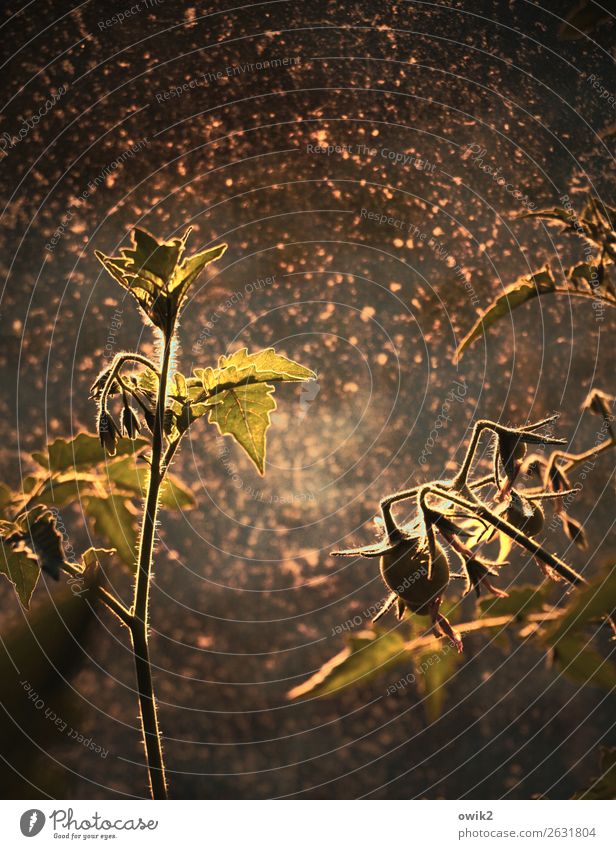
[236, 395]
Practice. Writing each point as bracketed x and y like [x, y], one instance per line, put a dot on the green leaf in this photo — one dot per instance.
[244, 368]
[62, 490]
[115, 523]
[584, 272]
[82, 452]
[21, 568]
[267, 365]
[368, 654]
[604, 786]
[38, 527]
[179, 389]
[154, 257]
[433, 668]
[244, 413]
[147, 382]
[583, 664]
[520, 292]
[125, 475]
[594, 601]
[238, 397]
[556, 213]
[155, 274]
[520, 602]
[97, 558]
[185, 274]
[595, 277]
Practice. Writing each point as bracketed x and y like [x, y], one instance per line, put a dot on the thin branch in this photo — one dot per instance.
[483, 512]
[116, 606]
[109, 600]
[587, 296]
[460, 480]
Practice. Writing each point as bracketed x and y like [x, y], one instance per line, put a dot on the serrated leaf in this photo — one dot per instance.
[187, 272]
[147, 382]
[149, 255]
[21, 567]
[520, 292]
[267, 364]
[583, 664]
[368, 654]
[116, 524]
[82, 452]
[64, 489]
[124, 474]
[520, 602]
[244, 413]
[156, 275]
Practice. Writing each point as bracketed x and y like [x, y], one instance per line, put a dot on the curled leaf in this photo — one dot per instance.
[20, 566]
[520, 292]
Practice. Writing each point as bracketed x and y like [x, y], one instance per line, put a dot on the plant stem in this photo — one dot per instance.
[461, 478]
[483, 512]
[147, 705]
[573, 460]
[139, 625]
[115, 606]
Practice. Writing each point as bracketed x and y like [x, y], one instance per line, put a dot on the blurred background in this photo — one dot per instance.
[327, 143]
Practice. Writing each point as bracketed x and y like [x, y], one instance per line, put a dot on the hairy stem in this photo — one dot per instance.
[483, 512]
[573, 460]
[113, 603]
[460, 480]
[116, 365]
[147, 705]
[139, 625]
